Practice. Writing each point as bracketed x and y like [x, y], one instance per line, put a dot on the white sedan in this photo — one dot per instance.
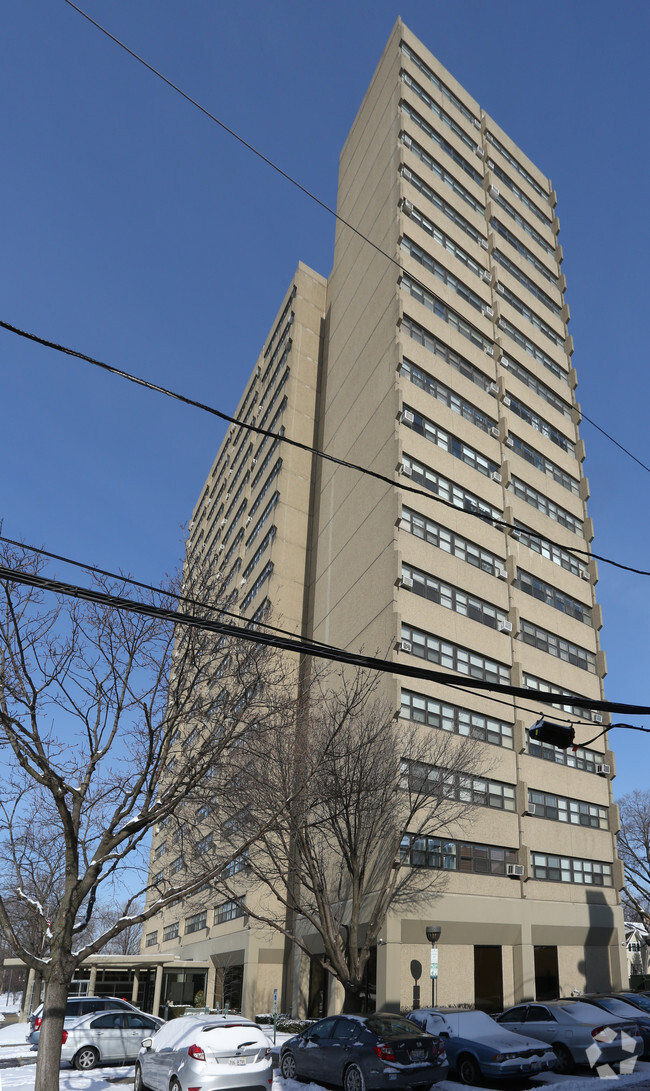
[108, 1036]
[215, 1051]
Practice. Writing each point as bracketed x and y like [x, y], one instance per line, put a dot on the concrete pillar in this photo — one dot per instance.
[210, 983]
[523, 959]
[389, 966]
[157, 990]
[92, 983]
[136, 986]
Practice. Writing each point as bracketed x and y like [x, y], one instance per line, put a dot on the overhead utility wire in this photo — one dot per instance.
[404, 486]
[293, 181]
[184, 599]
[299, 644]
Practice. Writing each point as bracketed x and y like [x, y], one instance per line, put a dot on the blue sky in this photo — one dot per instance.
[139, 232]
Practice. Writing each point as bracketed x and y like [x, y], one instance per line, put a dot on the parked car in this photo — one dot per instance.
[359, 1052]
[638, 1000]
[107, 1036]
[622, 1009]
[578, 1032]
[77, 1006]
[478, 1047]
[215, 1051]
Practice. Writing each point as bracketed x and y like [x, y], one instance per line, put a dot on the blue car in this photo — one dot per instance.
[477, 1047]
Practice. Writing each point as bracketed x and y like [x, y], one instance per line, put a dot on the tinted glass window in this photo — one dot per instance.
[515, 1015]
[346, 1029]
[139, 1021]
[323, 1029]
[110, 1021]
[390, 1025]
[537, 1014]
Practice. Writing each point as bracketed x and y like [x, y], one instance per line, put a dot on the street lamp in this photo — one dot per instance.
[433, 935]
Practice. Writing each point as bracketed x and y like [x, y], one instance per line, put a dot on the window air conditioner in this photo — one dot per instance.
[479, 151]
[505, 626]
[494, 191]
[227, 496]
[484, 243]
[515, 871]
[488, 311]
[406, 173]
[406, 470]
[406, 581]
[531, 808]
[505, 361]
[500, 572]
[408, 416]
[476, 122]
[405, 646]
[603, 770]
[510, 441]
[407, 207]
[254, 462]
[598, 718]
[489, 350]
[496, 476]
[249, 520]
[486, 275]
[506, 400]
[585, 574]
[223, 522]
[493, 389]
[494, 431]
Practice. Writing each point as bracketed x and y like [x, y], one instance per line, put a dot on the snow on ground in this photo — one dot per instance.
[10, 1002]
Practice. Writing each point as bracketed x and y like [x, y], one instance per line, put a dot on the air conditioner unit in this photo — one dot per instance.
[510, 441]
[506, 400]
[488, 311]
[505, 361]
[406, 470]
[597, 718]
[406, 581]
[585, 574]
[505, 626]
[406, 139]
[223, 522]
[220, 549]
[486, 275]
[515, 871]
[242, 581]
[500, 572]
[408, 416]
[406, 173]
[494, 431]
[603, 770]
[407, 207]
[489, 350]
[254, 462]
[227, 496]
[494, 191]
[404, 646]
[476, 122]
[531, 808]
[480, 151]
[249, 520]
[493, 389]
[484, 244]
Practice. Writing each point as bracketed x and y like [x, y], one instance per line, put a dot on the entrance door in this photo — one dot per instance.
[488, 979]
[547, 981]
[318, 982]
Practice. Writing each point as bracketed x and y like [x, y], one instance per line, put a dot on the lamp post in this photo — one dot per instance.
[433, 935]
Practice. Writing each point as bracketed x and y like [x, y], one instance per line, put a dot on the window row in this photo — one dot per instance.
[443, 174]
[261, 549]
[531, 348]
[434, 345]
[550, 550]
[228, 911]
[264, 575]
[263, 518]
[437, 82]
[452, 598]
[537, 459]
[517, 165]
[574, 811]
[566, 869]
[541, 425]
[280, 321]
[276, 357]
[522, 222]
[450, 542]
[527, 254]
[579, 757]
[235, 519]
[422, 779]
[443, 206]
[443, 240]
[557, 646]
[425, 645]
[533, 383]
[448, 490]
[548, 507]
[531, 682]
[276, 394]
[517, 272]
[532, 316]
[441, 114]
[545, 217]
[443, 144]
[458, 721]
[442, 393]
[545, 592]
[442, 273]
[265, 487]
[434, 852]
[447, 442]
[267, 458]
[441, 310]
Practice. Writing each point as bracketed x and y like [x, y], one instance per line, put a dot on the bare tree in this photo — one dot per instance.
[110, 720]
[362, 789]
[634, 852]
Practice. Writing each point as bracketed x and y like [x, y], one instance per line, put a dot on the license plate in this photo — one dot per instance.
[417, 1054]
[238, 1060]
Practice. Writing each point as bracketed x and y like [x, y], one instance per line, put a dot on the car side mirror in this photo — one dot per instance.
[147, 1043]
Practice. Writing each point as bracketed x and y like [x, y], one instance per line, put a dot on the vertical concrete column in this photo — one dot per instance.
[389, 966]
[249, 983]
[92, 982]
[523, 958]
[210, 984]
[157, 990]
[136, 986]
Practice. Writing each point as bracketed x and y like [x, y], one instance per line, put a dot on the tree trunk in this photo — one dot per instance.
[351, 999]
[48, 1060]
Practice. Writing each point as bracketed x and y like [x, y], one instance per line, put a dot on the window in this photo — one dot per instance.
[160, 850]
[453, 598]
[430, 263]
[158, 878]
[578, 758]
[518, 167]
[550, 550]
[442, 393]
[264, 575]
[265, 487]
[537, 459]
[170, 931]
[574, 811]
[548, 507]
[261, 549]
[420, 778]
[545, 217]
[239, 863]
[453, 657]
[557, 646]
[450, 443]
[206, 844]
[448, 490]
[228, 911]
[518, 274]
[545, 592]
[419, 708]
[262, 519]
[280, 321]
[151, 939]
[443, 174]
[537, 386]
[441, 114]
[530, 314]
[450, 542]
[276, 394]
[196, 922]
[439, 202]
[541, 425]
[176, 865]
[527, 254]
[443, 144]
[267, 458]
[523, 223]
[441, 310]
[434, 345]
[434, 852]
[546, 687]
[566, 869]
[437, 82]
[531, 348]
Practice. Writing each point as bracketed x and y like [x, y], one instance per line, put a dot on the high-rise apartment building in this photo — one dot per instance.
[440, 358]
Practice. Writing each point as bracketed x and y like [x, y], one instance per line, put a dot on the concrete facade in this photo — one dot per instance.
[445, 365]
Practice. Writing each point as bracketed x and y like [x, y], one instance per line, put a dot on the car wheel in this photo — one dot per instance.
[563, 1059]
[288, 1066]
[138, 1082]
[353, 1079]
[175, 1085]
[467, 1069]
[86, 1058]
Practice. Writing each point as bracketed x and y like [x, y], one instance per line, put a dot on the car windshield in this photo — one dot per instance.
[391, 1024]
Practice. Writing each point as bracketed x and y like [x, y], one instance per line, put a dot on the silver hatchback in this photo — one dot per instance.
[209, 1051]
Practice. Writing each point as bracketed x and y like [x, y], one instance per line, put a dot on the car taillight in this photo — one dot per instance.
[385, 1053]
[196, 1053]
[603, 1034]
[37, 1022]
[65, 1037]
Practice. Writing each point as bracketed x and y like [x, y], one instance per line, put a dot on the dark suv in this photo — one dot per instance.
[78, 1005]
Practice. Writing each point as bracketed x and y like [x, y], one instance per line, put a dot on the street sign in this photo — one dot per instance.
[434, 962]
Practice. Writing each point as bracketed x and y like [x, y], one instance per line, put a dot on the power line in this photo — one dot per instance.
[294, 182]
[301, 645]
[280, 437]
